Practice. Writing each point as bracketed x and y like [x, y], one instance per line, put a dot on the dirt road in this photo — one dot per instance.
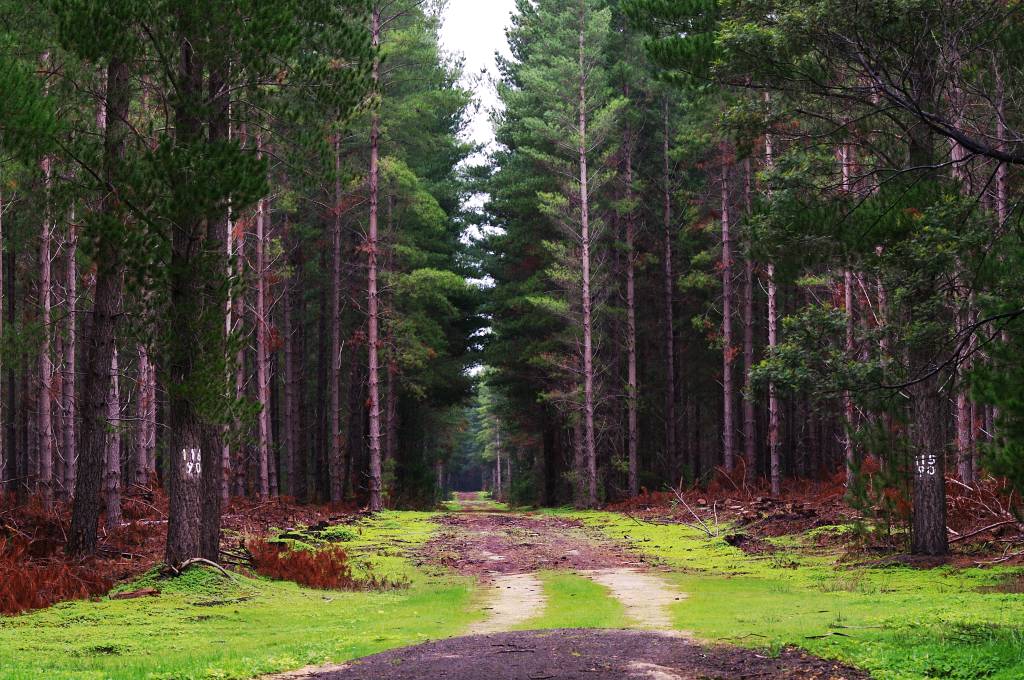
[506, 552]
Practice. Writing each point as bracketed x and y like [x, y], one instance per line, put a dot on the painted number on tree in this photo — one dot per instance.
[193, 459]
[927, 465]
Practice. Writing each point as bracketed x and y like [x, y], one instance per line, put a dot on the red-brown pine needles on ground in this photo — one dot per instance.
[30, 583]
[325, 568]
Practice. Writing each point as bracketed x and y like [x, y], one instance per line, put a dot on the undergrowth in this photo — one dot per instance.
[28, 582]
[325, 568]
[204, 626]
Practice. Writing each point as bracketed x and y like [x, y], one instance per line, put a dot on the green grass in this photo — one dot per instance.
[899, 623]
[483, 502]
[204, 626]
[575, 601]
[451, 505]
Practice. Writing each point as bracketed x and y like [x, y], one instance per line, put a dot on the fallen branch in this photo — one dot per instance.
[703, 526]
[633, 518]
[997, 525]
[180, 569]
[831, 633]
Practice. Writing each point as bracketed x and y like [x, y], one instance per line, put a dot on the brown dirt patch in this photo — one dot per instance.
[584, 654]
[479, 544]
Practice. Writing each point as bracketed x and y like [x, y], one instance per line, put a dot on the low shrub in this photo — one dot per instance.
[324, 569]
[31, 583]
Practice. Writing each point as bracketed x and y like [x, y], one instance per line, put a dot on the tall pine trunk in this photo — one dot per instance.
[238, 328]
[728, 388]
[928, 525]
[774, 458]
[848, 407]
[376, 502]
[291, 409]
[391, 426]
[749, 422]
[11, 430]
[774, 454]
[143, 407]
[589, 436]
[99, 349]
[5, 472]
[633, 434]
[44, 412]
[335, 462]
[188, 435]
[262, 354]
[69, 382]
[668, 282]
[112, 477]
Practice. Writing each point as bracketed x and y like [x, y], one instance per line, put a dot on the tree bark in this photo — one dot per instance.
[391, 427]
[499, 486]
[849, 454]
[189, 439]
[143, 408]
[9, 255]
[335, 463]
[376, 503]
[238, 329]
[99, 350]
[749, 422]
[589, 436]
[774, 456]
[262, 349]
[728, 390]
[632, 389]
[69, 382]
[291, 409]
[112, 480]
[213, 472]
[773, 343]
[928, 527]
[668, 281]
[5, 472]
[44, 413]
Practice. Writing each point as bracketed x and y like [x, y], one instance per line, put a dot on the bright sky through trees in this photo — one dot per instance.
[476, 30]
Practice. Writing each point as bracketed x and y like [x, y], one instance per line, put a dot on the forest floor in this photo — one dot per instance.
[758, 589]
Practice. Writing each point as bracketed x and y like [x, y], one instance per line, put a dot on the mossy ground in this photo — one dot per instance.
[575, 601]
[897, 622]
[205, 626]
